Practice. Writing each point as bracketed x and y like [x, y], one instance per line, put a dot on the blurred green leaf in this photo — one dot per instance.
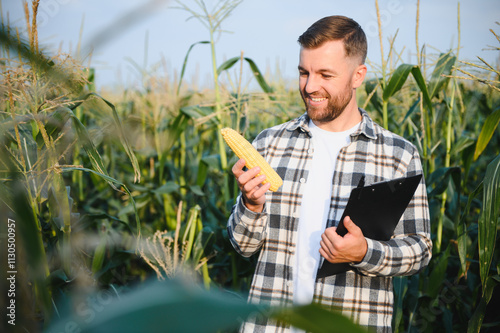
[461, 144]
[489, 127]
[32, 241]
[316, 319]
[113, 181]
[438, 274]
[202, 241]
[196, 190]
[462, 237]
[477, 318]
[11, 41]
[400, 284]
[488, 220]
[168, 306]
[168, 187]
[437, 182]
[370, 86]
[199, 112]
[99, 252]
[119, 127]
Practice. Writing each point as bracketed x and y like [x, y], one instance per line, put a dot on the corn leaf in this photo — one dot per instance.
[438, 274]
[419, 78]
[477, 318]
[29, 232]
[259, 77]
[87, 144]
[167, 188]
[443, 66]
[184, 64]
[316, 319]
[255, 70]
[488, 220]
[400, 288]
[113, 181]
[201, 243]
[462, 237]
[122, 136]
[440, 179]
[412, 109]
[397, 80]
[99, 253]
[158, 306]
[461, 144]
[370, 87]
[256, 73]
[489, 127]
[174, 131]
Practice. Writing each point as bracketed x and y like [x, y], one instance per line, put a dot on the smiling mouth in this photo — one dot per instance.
[317, 99]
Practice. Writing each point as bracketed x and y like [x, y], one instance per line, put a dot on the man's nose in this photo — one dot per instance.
[312, 85]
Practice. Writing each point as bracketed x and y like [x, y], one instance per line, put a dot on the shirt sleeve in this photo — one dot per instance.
[410, 249]
[247, 229]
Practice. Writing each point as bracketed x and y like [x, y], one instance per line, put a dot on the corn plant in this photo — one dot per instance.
[38, 130]
[438, 120]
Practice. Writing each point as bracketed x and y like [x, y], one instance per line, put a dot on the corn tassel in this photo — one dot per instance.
[244, 149]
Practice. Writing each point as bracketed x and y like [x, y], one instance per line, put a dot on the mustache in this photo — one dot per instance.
[314, 95]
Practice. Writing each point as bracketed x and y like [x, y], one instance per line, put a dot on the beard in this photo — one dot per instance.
[336, 105]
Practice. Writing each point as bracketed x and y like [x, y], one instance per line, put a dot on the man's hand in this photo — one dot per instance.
[251, 188]
[351, 247]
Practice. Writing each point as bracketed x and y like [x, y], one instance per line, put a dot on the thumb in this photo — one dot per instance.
[351, 226]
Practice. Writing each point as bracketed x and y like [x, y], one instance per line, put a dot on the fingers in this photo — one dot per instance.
[247, 180]
[251, 185]
[351, 247]
[351, 227]
[327, 242]
[257, 193]
[238, 167]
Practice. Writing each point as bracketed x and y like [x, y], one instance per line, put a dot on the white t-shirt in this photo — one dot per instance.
[315, 208]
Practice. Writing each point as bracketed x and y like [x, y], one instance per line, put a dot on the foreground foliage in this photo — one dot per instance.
[111, 192]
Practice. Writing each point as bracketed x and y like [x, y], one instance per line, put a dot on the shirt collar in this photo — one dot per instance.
[366, 127]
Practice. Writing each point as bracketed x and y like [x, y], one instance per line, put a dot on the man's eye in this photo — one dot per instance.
[327, 76]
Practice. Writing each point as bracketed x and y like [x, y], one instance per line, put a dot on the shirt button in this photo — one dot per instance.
[310, 151]
[302, 180]
[296, 214]
[289, 284]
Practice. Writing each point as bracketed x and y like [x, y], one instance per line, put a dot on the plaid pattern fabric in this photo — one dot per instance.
[366, 295]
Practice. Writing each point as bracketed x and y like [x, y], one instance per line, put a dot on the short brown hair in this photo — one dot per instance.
[333, 28]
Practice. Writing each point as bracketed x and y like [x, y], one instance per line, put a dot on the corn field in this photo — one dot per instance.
[113, 206]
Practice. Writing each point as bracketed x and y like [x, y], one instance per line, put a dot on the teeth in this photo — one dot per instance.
[317, 99]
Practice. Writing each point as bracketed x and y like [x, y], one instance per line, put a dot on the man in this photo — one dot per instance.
[321, 157]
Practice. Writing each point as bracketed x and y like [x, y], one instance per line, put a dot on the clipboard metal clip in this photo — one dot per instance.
[361, 184]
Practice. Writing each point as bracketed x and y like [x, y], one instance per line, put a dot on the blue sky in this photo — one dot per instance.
[266, 31]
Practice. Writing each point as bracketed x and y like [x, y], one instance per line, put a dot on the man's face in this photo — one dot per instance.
[326, 80]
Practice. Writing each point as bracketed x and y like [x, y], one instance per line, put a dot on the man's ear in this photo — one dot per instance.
[358, 75]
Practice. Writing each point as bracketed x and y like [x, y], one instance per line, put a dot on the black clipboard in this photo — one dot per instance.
[376, 209]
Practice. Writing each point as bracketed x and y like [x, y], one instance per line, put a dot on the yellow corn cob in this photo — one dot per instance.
[244, 149]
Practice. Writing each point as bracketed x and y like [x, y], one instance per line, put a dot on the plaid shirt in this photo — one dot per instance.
[365, 295]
